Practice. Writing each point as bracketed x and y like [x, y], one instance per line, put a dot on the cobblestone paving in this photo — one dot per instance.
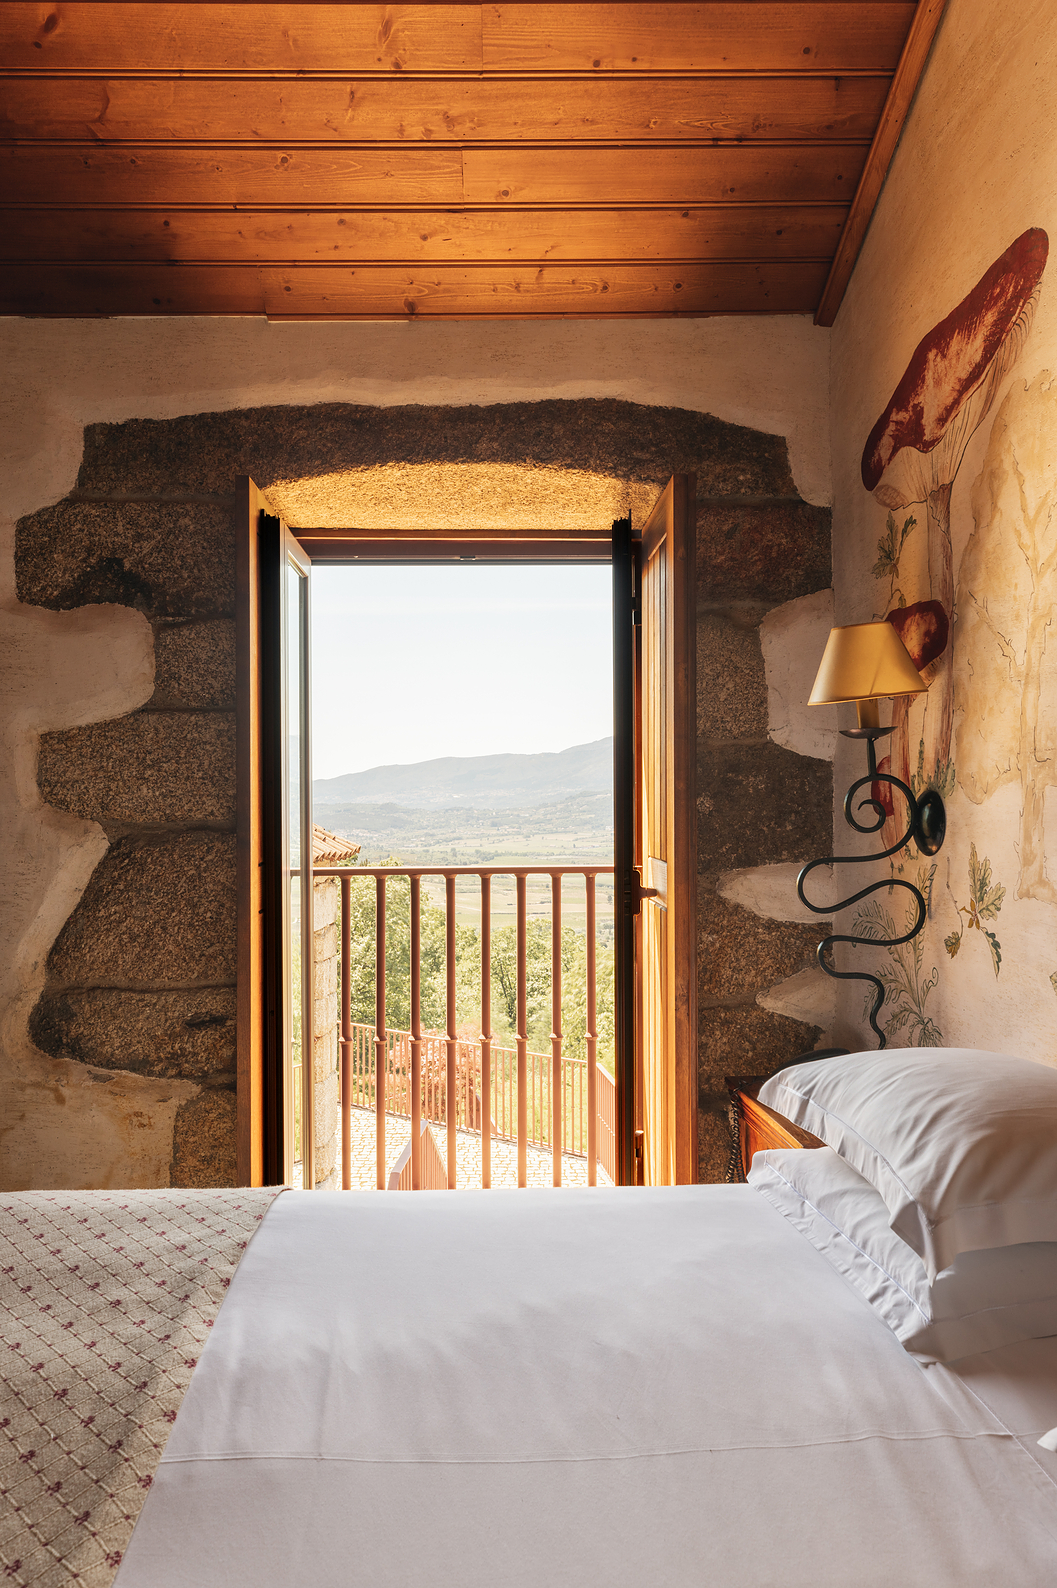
[538, 1170]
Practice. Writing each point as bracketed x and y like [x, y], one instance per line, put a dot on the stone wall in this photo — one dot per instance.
[759, 802]
[142, 974]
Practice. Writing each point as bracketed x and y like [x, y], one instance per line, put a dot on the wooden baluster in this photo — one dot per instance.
[346, 1037]
[451, 1099]
[557, 1111]
[592, 1039]
[486, 1033]
[379, 1032]
[522, 1031]
[416, 1033]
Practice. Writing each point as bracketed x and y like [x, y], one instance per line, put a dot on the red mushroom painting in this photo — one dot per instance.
[916, 447]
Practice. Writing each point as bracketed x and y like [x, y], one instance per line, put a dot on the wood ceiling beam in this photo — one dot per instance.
[724, 174]
[360, 160]
[731, 35]
[417, 237]
[758, 36]
[252, 176]
[458, 292]
[407, 111]
[927, 19]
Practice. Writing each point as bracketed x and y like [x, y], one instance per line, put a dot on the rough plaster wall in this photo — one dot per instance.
[976, 168]
[770, 374]
[773, 374]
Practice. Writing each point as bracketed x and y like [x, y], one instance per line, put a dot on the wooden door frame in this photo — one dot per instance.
[626, 905]
[329, 547]
[250, 763]
[261, 970]
[676, 505]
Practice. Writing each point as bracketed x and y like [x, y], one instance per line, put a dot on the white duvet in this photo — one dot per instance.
[635, 1389]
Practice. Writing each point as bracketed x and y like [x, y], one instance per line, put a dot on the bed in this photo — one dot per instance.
[668, 1386]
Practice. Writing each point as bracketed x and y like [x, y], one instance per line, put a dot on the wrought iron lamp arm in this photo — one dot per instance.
[852, 818]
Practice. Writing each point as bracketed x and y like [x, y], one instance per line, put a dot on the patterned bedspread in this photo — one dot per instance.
[106, 1300]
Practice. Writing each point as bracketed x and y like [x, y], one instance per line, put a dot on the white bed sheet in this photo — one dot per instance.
[669, 1387]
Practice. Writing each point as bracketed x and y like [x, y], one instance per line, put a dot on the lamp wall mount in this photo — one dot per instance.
[926, 827]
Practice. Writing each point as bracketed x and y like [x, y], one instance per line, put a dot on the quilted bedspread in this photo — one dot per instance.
[106, 1300]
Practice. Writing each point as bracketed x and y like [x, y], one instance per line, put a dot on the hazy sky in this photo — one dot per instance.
[409, 663]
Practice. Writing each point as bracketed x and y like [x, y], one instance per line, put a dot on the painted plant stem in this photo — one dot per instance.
[938, 726]
[887, 883]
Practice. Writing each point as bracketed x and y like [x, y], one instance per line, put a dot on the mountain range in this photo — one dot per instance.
[492, 781]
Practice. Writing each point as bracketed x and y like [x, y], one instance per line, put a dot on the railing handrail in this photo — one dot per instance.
[434, 1034]
[459, 871]
[434, 1177]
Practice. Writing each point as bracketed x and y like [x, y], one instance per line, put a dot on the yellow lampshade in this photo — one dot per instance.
[864, 661]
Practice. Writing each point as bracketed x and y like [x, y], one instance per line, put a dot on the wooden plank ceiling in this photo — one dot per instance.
[369, 161]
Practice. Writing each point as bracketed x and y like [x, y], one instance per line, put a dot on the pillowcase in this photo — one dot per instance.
[961, 1144]
[984, 1300]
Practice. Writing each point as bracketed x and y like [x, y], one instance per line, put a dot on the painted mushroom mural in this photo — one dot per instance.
[1006, 723]
[915, 449]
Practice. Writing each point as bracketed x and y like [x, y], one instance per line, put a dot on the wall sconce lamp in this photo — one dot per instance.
[865, 663]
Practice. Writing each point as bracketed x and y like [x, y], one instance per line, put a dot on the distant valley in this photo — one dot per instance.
[478, 810]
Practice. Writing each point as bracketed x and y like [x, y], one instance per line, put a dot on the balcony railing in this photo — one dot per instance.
[542, 1100]
[502, 1113]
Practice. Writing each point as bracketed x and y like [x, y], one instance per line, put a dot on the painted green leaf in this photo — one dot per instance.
[874, 922]
[987, 898]
[905, 992]
[996, 950]
[953, 943]
[890, 546]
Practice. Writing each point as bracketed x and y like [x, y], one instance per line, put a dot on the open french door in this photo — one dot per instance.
[274, 848]
[655, 746]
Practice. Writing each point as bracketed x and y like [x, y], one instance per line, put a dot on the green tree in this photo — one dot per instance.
[363, 957]
[573, 959]
[363, 947]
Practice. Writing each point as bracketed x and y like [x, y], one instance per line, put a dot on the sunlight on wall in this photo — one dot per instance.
[460, 496]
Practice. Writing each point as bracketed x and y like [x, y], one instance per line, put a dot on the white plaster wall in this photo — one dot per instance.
[977, 166]
[65, 1124]
[771, 374]
[792, 639]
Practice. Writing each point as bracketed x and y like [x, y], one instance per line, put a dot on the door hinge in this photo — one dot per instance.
[634, 893]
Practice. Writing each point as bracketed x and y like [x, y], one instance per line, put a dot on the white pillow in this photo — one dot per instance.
[984, 1300]
[962, 1145]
